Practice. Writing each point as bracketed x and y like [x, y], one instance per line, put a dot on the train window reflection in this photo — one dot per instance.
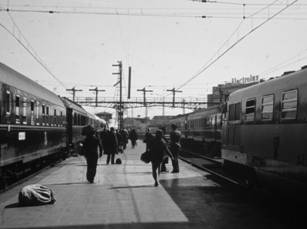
[250, 110]
[24, 112]
[267, 107]
[17, 108]
[289, 105]
[8, 102]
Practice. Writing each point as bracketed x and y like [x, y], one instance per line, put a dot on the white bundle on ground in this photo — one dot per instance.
[36, 194]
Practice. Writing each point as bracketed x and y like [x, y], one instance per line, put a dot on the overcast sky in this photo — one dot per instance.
[165, 42]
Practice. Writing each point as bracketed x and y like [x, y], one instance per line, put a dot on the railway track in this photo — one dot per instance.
[212, 166]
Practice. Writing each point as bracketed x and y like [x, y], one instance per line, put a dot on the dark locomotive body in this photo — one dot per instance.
[265, 132]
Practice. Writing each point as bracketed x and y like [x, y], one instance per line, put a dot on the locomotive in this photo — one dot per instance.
[36, 125]
[264, 133]
[259, 133]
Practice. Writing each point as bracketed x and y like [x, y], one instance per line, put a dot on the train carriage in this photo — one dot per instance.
[32, 121]
[205, 124]
[201, 130]
[76, 118]
[265, 132]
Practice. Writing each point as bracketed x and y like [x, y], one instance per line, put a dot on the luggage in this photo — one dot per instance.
[35, 194]
[118, 161]
[146, 157]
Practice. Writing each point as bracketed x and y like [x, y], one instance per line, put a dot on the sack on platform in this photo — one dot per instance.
[118, 161]
[36, 194]
[146, 157]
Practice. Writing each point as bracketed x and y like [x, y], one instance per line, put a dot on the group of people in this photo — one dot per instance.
[114, 141]
[109, 142]
[160, 150]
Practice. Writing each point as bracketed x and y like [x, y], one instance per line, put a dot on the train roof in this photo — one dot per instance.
[73, 105]
[288, 81]
[209, 110]
[13, 78]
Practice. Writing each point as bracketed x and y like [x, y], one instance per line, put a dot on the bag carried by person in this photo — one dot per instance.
[146, 157]
[35, 194]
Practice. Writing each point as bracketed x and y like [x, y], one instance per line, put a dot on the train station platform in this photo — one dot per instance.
[124, 196]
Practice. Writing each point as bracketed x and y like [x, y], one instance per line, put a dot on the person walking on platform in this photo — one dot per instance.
[111, 145]
[90, 145]
[165, 158]
[175, 147]
[124, 134]
[148, 139]
[158, 149]
[133, 137]
[104, 138]
[119, 141]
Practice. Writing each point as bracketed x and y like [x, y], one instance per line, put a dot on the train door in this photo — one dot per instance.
[231, 150]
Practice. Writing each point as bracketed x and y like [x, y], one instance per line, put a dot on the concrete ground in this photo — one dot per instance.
[123, 196]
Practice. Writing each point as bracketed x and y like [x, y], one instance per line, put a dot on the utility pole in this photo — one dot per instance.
[144, 97]
[74, 90]
[183, 106]
[120, 108]
[174, 92]
[96, 92]
[129, 82]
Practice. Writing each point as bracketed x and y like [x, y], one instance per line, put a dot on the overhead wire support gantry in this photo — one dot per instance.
[174, 92]
[74, 90]
[144, 99]
[96, 94]
[120, 107]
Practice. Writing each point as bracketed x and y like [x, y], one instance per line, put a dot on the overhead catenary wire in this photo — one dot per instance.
[205, 67]
[142, 13]
[292, 60]
[34, 56]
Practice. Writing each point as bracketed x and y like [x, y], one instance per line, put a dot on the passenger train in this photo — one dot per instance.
[36, 125]
[201, 130]
[260, 133]
[265, 130]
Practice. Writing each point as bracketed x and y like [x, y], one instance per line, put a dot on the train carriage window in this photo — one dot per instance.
[32, 106]
[32, 111]
[61, 119]
[47, 114]
[54, 118]
[250, 110]
[43, 109]
[17, 108]
[8, 102]
[75, 119]
[267, 107]
[24, 110]
[289, 105]
[43, 113]
[37, 112]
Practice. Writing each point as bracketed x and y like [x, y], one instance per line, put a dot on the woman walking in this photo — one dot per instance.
[158, 149]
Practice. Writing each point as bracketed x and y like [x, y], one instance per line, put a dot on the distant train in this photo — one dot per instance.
[201, 130]
[35, 124]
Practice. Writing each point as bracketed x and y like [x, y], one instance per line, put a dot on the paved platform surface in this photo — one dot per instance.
[123, 196]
